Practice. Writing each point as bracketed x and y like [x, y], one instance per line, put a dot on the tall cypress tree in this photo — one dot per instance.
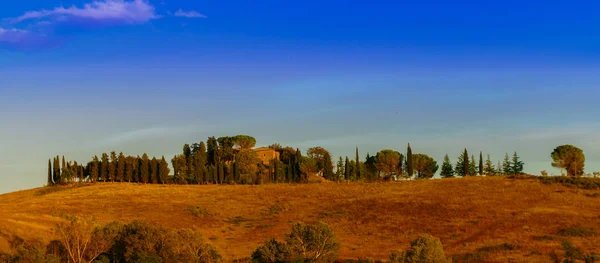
[480, 163]
[94, 169]
[328, 167]
[466, 163]
[357, 173]
[447, 170]
[145, 169]
[154, 170]
[221, 173]
[347, 169]
[163, 170]
[299, 175]
[200, 162]
[112, 166]
[121, 168]
[409, 162]
[105, 166]
[50, 181]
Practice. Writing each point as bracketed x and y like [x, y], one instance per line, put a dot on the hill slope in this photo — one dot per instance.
[370, 220]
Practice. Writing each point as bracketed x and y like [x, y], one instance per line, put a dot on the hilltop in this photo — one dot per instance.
[493, 219]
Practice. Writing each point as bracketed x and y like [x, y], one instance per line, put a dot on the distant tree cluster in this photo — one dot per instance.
[232, 160]
[110, 168]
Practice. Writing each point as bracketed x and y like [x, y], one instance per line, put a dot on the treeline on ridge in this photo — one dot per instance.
[234, 160]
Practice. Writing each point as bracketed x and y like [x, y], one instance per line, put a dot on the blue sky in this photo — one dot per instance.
[79, 78]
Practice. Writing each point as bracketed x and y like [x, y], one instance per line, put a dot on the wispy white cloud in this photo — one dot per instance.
[98, 12]
[188, 14]
[24, 39]
[152, 133]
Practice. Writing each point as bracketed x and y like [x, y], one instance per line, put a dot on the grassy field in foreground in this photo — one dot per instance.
[486, 219]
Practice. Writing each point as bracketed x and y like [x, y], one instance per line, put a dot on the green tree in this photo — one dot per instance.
[424, 166]
[570, 158]
[200, 162]
[244, 141]
[94, 169]
[145, 169]
[480, 163]
[121, 168]
[112, 166]
[272, 251]
[247, 163]
[339, 171]
[357, 165]
[371, 168]
[56, 172]
[318, 155]
[516, 165]
[499, 168]
[313, 243]
[447, 169]
[388, 162]
[426, 249]
[409, 162]
[488, 168]
[164, 170]
[328, 167]
[462, 165]
[347, 169]
[506, 165]
[152, 171]
[212, 151]
[472, 167]
[50, 181]
[299, 176]
[105, 165]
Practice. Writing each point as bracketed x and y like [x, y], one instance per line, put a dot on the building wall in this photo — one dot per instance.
[266, 155]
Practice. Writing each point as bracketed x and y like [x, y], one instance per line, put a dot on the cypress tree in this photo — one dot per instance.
[121, 168]
[81, 178]
[466, 163]
[290, 176]
[50, 181]
[164, 170]
[64, 164]
[409, 162]
[215, 175]
[276, 176]
[94, 169]
[221, 173]
[339, 172]
[472, 167]
[480, 163]
[347, 169]
[200, 162]
[112, 166]
[328, 167]
[144, 169]
[498, 170]
[447, 170]
[105, 166]
[299, 175]
[357, 173]
[154, 170]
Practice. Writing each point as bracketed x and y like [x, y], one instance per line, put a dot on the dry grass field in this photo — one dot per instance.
[486, 219]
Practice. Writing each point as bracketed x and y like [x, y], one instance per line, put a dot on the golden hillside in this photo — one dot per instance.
[474, 216]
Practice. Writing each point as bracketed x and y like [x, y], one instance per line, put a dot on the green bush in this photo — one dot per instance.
[306, 243]
[313, 243]
[424, 249]
[272, 251]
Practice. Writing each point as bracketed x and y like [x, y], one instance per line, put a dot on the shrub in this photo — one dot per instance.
[272, 252]
[32, 251]
[313, 243]
[306, 243]
[577, 231]
[397, 256]
[426, 249]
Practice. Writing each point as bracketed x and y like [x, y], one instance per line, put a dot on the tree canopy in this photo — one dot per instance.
[570, 158]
